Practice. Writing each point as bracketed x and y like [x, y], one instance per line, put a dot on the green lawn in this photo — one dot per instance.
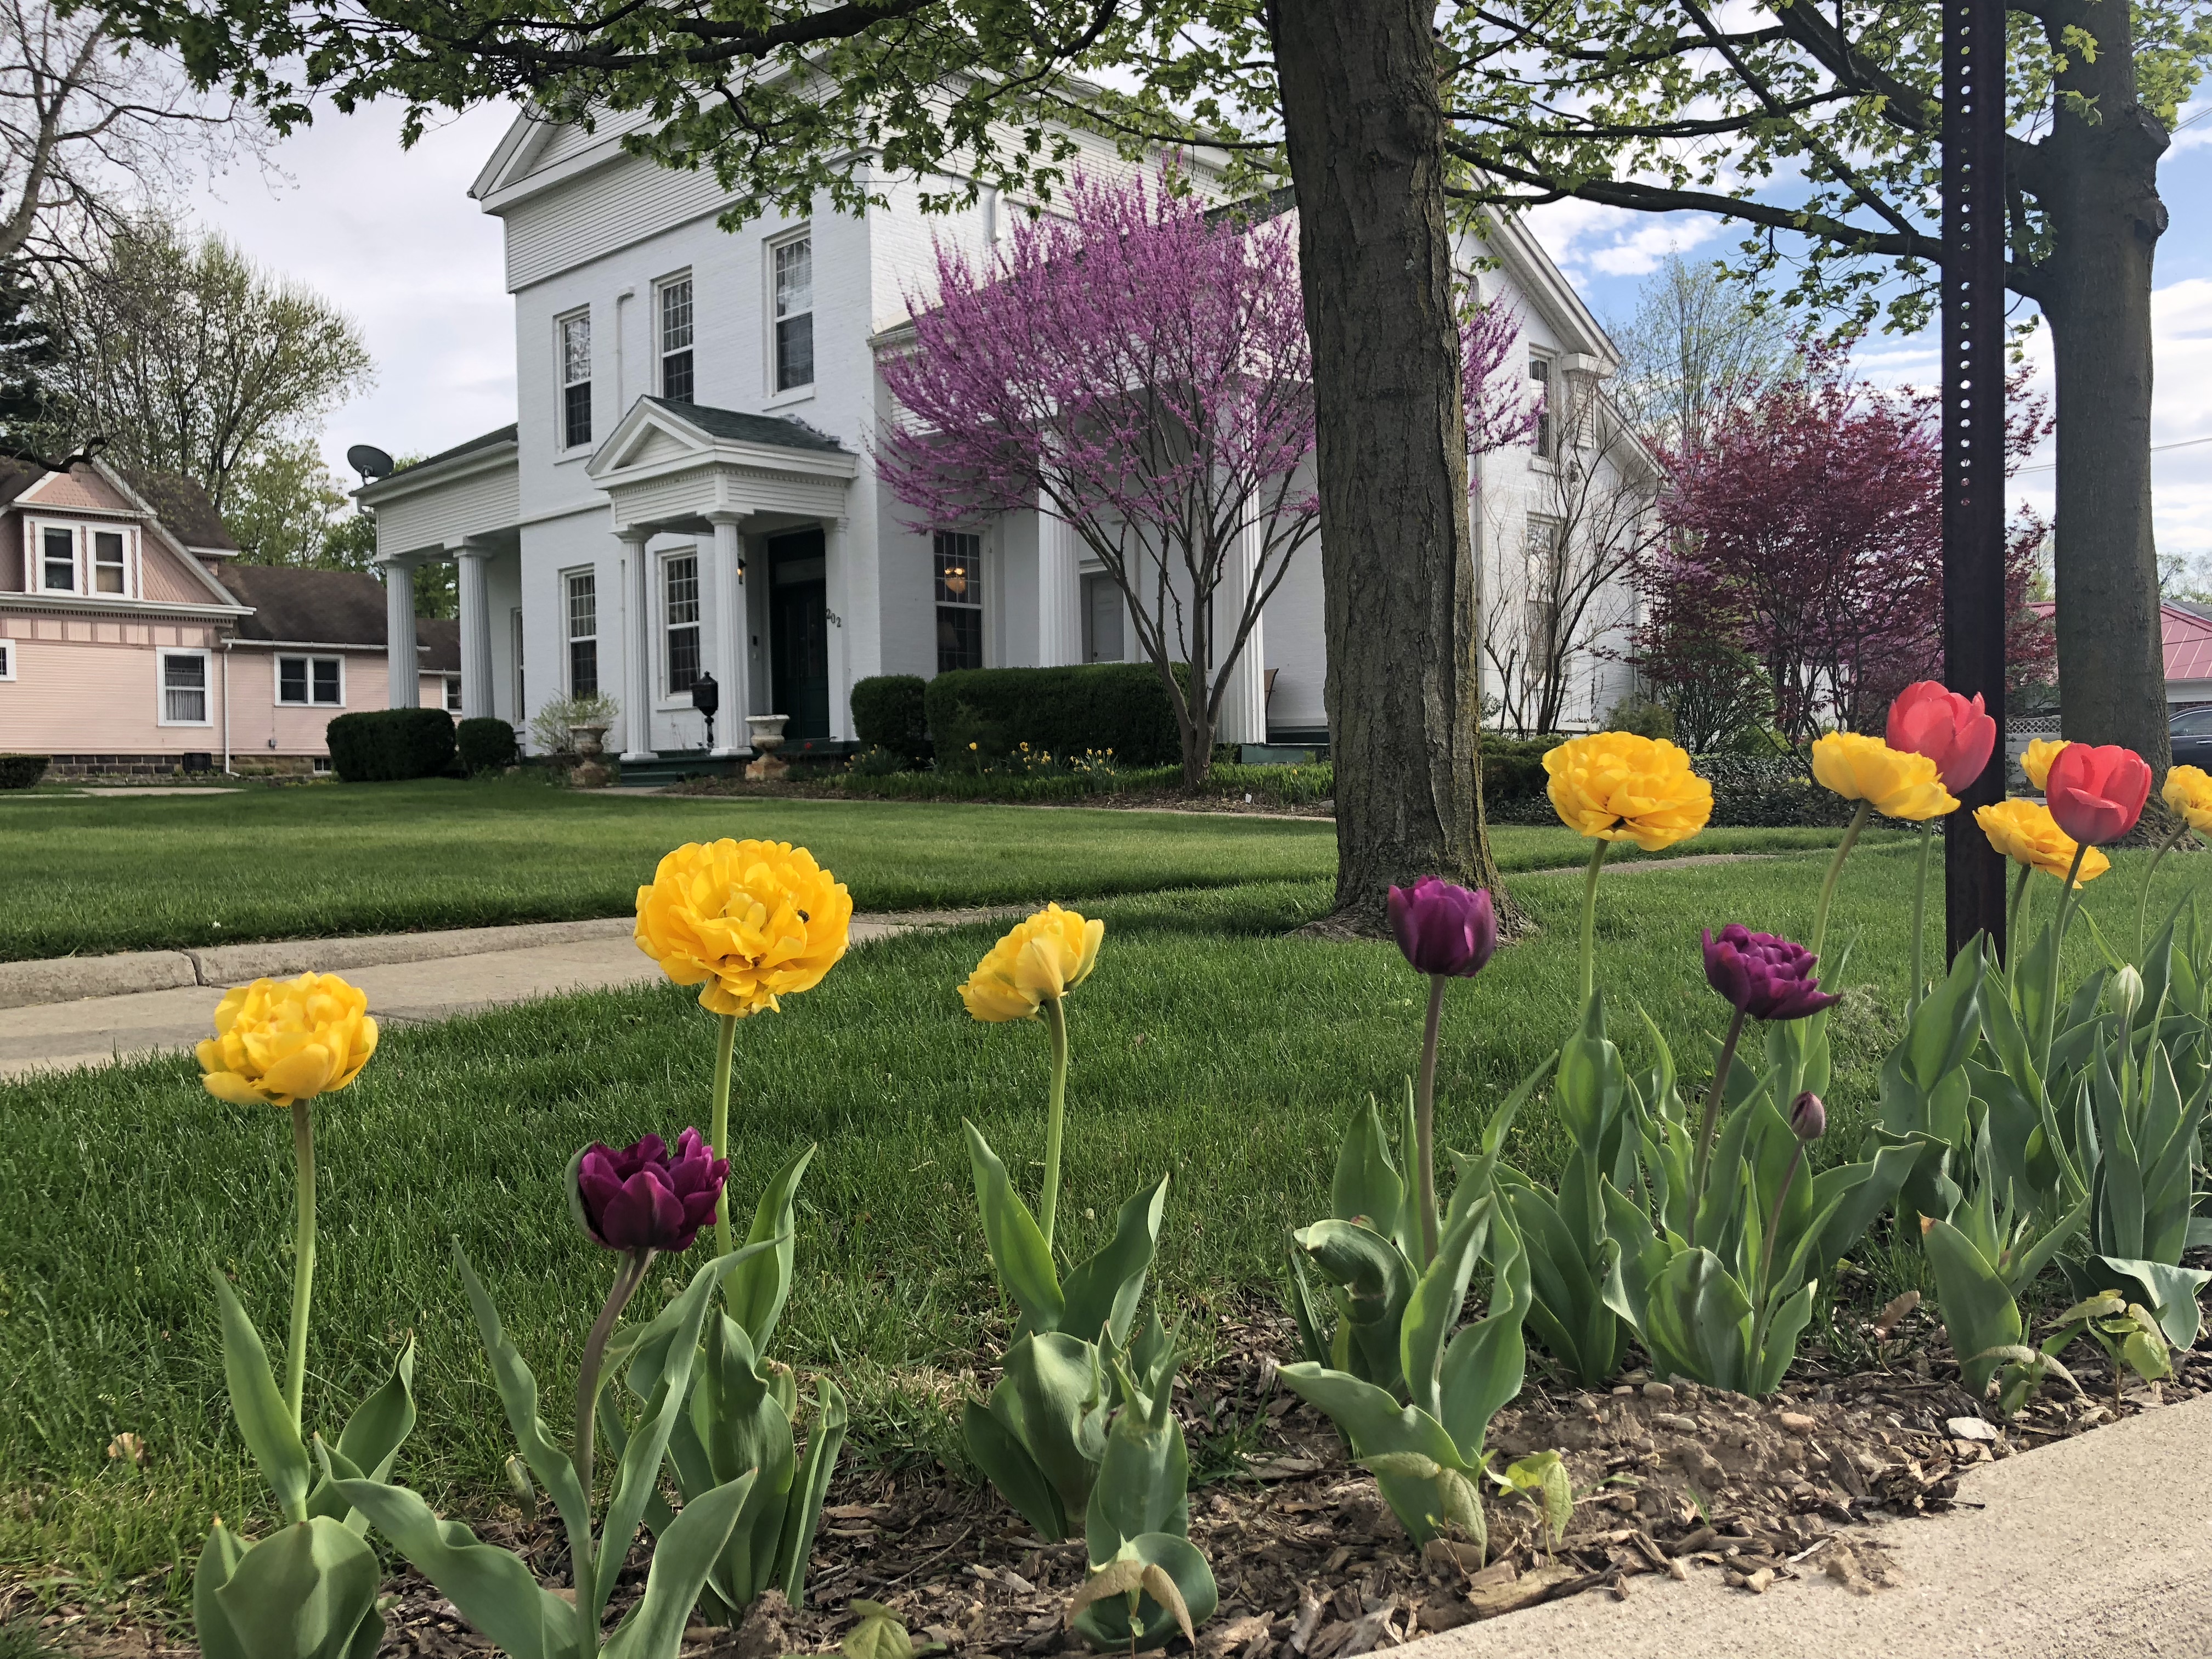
[1207, 1044]
[150, 872]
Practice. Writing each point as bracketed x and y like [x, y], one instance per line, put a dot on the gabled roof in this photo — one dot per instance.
[778, 431]
[184, 508]
[2185, 632]
[308, 607]
[505, 435]
[657, 437]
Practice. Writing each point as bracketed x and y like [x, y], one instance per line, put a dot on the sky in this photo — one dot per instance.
[392, 237]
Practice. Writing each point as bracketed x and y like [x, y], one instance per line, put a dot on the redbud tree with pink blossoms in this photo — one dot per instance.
[1140, 370]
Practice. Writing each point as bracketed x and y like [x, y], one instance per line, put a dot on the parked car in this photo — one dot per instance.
[2192, 739]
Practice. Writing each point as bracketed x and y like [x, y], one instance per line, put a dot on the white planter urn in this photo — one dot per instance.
[767, 732]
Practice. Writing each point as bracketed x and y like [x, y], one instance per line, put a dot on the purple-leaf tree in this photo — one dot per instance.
[1139, 370]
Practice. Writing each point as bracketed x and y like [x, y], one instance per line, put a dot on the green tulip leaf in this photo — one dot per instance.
[1487, 1360]
[1017, 1245]
[754, 1290]
[744, 1427]
[2171, 1292]
[1168, 1581]
[1013, 1473]
[304, 1592]
[1103, 1293]
[881, 1634]
[1434, 1307]
[802, 1515]
[493, 1589]
[1144, 1477]
[1366, 1185]
[1052, 1400]
[263, 1417]
[517, 1392]
[1977, 1310]
[685, 1553]
[1312, 1319]
[1697, 1321]
[219, 1559]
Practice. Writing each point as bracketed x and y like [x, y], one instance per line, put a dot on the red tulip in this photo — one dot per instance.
[2097, 793]
[1953, 732]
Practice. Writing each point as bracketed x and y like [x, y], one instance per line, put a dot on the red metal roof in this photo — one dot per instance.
[2186, 634]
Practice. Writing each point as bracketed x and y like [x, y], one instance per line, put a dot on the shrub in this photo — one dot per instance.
[889, 712]
[383, 745]
[549, 726]
[22, 771]
[485, 745]
[1768, 792]
[1513, 768]
[977, 713]
[1639, 713]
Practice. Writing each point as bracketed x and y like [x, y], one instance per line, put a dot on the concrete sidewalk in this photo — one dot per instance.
[84, 1011]
[2097, 1547]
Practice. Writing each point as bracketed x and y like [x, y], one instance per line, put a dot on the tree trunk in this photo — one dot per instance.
[1364, 126]
[2102, 196]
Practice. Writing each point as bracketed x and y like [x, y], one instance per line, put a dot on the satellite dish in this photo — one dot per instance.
[370, 462]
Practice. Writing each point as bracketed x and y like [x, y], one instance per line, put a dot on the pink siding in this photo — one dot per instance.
[80, 487]
[163, 574]
[166, 577]
[257, 718]
[87, 685]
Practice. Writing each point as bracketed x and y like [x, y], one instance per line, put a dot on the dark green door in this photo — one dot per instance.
[798, 633]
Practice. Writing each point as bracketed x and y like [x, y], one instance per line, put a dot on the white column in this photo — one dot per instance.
[1244, 701]
[1059, 591]
[637, 647]
[835, 544]
[400, 658]
[474, 582]
[732, 629]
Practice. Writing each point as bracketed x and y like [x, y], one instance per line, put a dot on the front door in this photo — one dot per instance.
[799, 632]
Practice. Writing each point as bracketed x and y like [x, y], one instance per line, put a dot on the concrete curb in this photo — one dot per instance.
[71, 979]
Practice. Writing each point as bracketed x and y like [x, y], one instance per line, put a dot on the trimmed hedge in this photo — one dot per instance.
[1121, 706]
[1769, 791]
[890, 712]
[485, 745]
[22, 771]
[1513, 768]
[385, 745]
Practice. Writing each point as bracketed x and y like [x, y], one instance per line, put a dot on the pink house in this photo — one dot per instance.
[132, 643]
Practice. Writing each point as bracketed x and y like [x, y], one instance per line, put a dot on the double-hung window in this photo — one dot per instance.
[794, 313]
[581, 589]
[575, 337]
[675, 323]
[109, 574]
[184, 689]
[959, 557]
[57, 558]
[311, 682]
[679, 581]
[1102, 619]
[7, 660]
[1547, 424]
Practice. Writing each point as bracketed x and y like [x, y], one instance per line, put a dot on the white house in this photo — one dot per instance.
[688, 488]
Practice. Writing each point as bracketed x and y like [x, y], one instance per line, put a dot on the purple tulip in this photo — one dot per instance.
[1808, 1118]
[1763, 975]
[1444, 928]
[642, 1199]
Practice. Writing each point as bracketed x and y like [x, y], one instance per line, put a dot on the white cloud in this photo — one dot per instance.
[392, 237]
[1588, 239]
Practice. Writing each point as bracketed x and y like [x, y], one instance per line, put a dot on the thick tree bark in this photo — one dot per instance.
[1365, 126]
[2101, 192]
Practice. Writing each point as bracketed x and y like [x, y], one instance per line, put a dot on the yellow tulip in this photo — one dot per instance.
[747, 920]
[2024, 832]
[2188, 792]
[1615, 786]
[2036, 758]
[1042, 957]
[1895, 782]
[277, 1042]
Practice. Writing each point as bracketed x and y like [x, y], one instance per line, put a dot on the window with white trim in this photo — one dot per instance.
[959, 559]
[794, 312]
[7, 660]
[679, 587]
[674, 322]
[111, 570]
[575, 341]
[56, 557]
[581, 592]
[452, 693]
[1548, 429]
[311, 682]
[184, 689]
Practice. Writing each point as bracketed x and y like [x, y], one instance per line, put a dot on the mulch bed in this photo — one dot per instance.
[1670, 1479]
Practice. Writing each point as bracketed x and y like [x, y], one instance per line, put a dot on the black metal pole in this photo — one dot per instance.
[1974, 438]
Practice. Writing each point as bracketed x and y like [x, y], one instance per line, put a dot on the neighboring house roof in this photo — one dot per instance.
[779, 431]
[2186, 632]
[328, 607]
[438, 643]
[184, 510]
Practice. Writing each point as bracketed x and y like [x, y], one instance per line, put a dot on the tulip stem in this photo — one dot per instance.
[1056, 1019]
[2057, 949]
[627, 1279]
[1713, 1098]
[1836, 869]
[1920, 921]
[303, 1260]
[1425, 1120]
[726, 1045]
[1766, 1257]
[2018, 909]
[1598, 851]
[2142, 904]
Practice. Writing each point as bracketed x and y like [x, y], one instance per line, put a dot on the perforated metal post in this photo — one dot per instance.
[1973, 436]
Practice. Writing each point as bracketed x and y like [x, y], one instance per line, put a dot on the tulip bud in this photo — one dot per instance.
[2127, 992]
[1442, 927]
[1808, 1118]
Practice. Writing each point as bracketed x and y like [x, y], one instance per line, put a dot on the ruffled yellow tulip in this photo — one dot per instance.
[2188, 792]
[1894, 782]
[1041, 958]
[749, 922]
[2024, 832]
[2036, 760]
[280, 1042]
[1615, 786]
